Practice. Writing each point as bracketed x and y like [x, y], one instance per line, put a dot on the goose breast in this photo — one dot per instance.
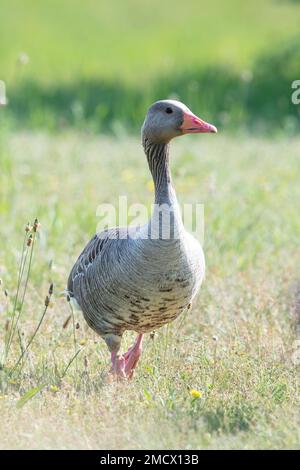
[136, 285]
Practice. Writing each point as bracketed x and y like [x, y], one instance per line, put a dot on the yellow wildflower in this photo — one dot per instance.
[82, 342]
[54, 388]
[127, 175]
[12, 382]
[150, 185]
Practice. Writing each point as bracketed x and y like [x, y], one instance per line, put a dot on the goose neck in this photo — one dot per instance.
[159, 165]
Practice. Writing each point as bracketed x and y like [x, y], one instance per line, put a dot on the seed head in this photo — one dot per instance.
[36, 225]
[51, 289]
[29, 240]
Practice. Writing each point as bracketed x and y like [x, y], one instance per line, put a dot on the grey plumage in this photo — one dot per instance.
[144, 281]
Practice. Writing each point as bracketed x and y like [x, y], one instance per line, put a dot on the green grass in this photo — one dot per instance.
[233, 61]
[249, 384]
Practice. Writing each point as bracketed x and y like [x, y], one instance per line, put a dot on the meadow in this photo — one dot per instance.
[225, 375]
[102, 38]
[79, 77]
[234, 61]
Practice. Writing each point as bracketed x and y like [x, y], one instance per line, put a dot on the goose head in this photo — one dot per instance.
[167, 119]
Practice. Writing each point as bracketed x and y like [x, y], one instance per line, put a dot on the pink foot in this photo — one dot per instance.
[118, 365]
[132, 356]
[124, 366]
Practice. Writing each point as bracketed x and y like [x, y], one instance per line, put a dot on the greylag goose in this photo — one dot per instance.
[142, 279]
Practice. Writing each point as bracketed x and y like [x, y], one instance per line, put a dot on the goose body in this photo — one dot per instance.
[135, 284]
[142, 278]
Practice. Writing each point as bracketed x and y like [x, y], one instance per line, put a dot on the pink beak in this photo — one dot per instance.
[194, 125]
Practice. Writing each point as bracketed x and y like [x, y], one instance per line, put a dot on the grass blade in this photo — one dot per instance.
[28, 395]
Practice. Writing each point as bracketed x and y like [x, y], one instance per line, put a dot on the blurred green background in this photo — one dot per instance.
[98, 64]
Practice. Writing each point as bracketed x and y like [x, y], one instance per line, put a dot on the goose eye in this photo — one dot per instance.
[169, 110]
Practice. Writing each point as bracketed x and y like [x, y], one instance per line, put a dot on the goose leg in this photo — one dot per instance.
[123, 366]
[132, 356]
[118, 365]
